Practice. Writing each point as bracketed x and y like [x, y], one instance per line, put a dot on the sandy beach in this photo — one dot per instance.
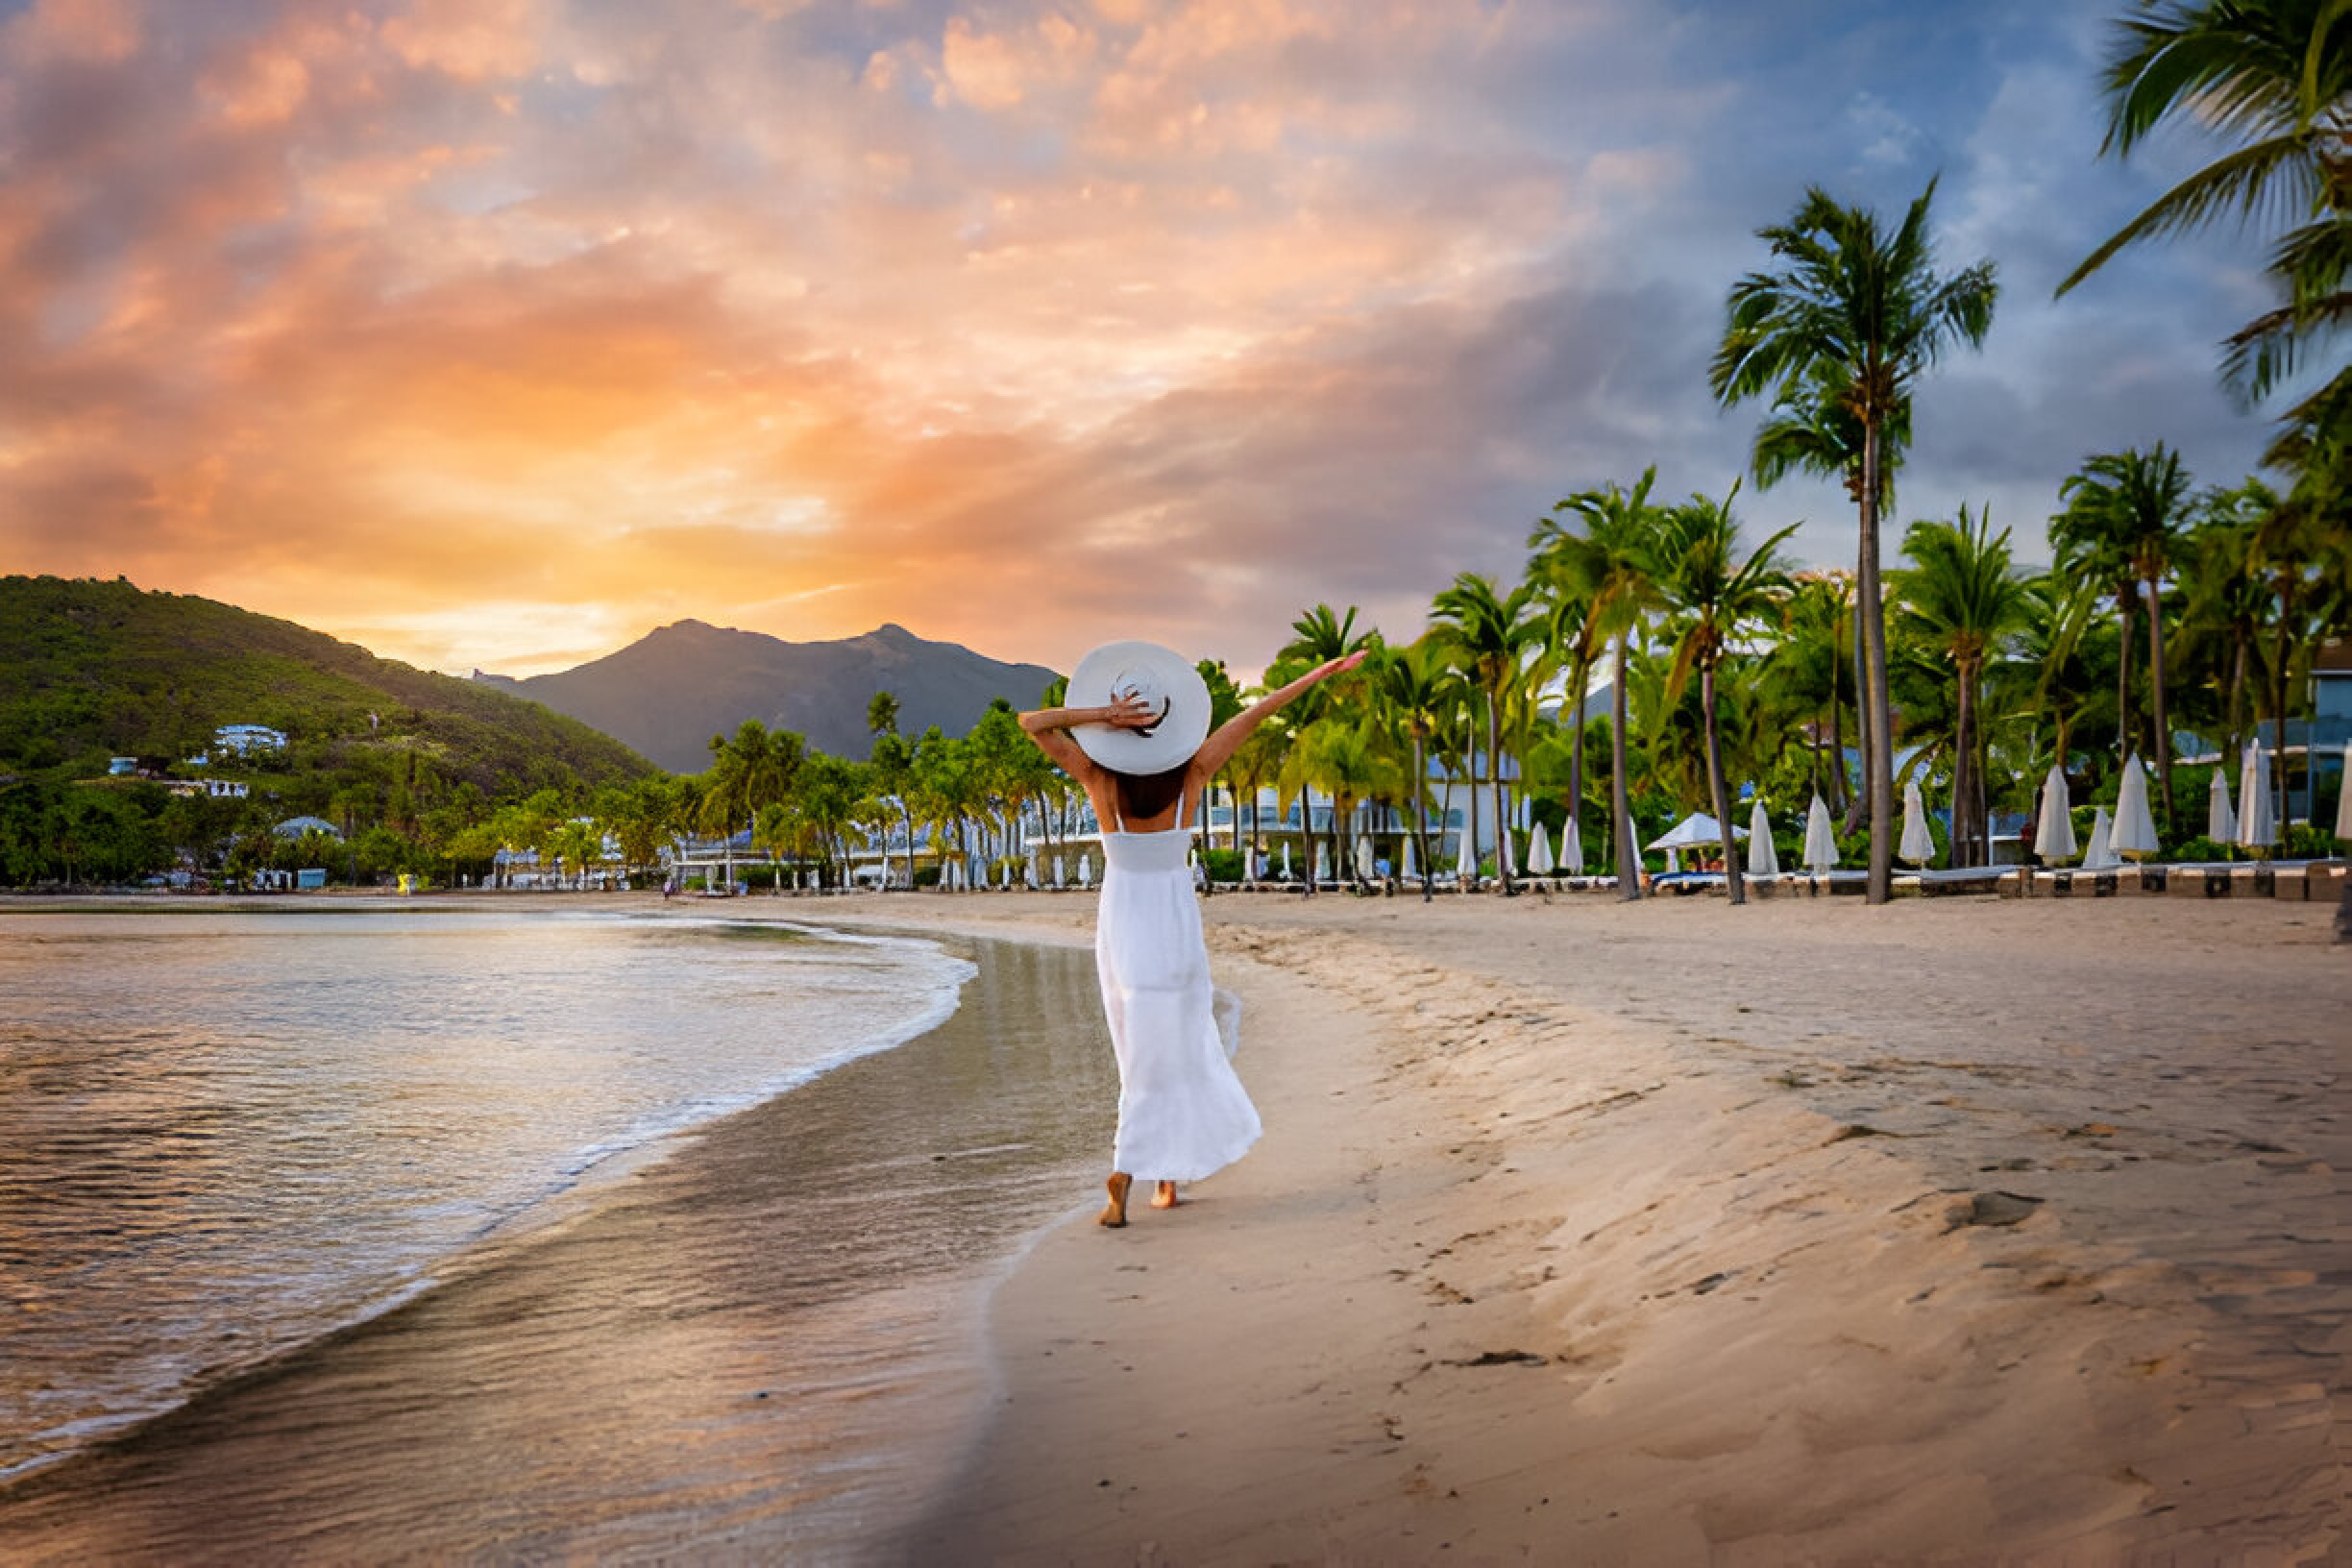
[1952, 1231]
[1955, 1230]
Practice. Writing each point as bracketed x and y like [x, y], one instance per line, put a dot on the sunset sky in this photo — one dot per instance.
[498, 332]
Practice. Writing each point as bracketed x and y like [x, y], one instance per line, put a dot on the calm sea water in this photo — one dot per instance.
[512, 1232]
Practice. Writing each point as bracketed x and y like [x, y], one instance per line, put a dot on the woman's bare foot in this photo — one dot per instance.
[1114, 1212]
[1164, 1196]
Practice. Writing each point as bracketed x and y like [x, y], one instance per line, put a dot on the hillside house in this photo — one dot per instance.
[245, 740]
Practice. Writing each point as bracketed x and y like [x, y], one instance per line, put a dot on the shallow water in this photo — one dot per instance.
[762, 1337]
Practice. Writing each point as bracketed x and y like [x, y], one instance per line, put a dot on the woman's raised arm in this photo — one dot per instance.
[1218, 748]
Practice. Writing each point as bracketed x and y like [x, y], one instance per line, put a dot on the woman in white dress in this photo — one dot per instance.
[1135, 739]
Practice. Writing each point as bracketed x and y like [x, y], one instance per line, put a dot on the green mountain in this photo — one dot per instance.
[91, 671]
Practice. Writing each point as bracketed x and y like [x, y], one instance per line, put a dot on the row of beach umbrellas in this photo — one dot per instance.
[2131, 832]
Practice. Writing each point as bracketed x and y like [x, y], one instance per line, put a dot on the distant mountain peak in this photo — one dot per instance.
[674, 688]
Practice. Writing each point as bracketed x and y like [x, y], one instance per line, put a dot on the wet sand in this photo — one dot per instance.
[760, 1346]
[1955, 1230]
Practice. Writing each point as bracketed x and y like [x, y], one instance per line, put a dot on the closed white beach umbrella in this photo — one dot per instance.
[1820, 840]
[2099, 854]
[1697, 831]
[1465, 858]
[2221, 822]
[2054, 834]
[1507, 852]
[2343, 800]
[1366, 862]
[2133, 832]
[2257, 823]
[1059, 874]
[1572, 849]
[1285, 870]
[1763, 860]
[1539, 852]
[1410, 871]
[1086, 871]
[1917, 845]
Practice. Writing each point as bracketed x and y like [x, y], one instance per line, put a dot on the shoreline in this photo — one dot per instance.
[1647, 1253]
[754, 1342]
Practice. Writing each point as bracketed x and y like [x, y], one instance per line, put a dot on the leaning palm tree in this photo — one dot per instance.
[1963, 598]
[1864, 308]
[1487, 636]
[1711, 596]
[2275, 77]
[1615, 556]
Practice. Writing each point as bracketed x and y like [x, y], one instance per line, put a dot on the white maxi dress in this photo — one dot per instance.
[1183, 1114]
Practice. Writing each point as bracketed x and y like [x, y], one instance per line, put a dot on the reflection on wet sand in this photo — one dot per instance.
[720, 1353]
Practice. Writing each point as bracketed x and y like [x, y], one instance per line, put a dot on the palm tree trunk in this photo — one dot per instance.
[1628, 858]
[1837, 727]
[1575, 749]
[2239, 640]
[1964, 772]
[1470, 814]
[1733, 880]
[1858, 803]
[1880, 767]
[2278, 714]
[1494, 766]
[1420, 811]
[2124, 725]
[2156, 680]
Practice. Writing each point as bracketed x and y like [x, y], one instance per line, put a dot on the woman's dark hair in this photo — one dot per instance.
[1145, 796]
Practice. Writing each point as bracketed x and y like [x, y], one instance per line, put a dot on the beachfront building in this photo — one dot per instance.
[247, 740]
[295, 827]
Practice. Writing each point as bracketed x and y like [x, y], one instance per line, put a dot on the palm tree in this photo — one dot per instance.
[1811, 429]
[1811, 654]
[1573, 636]
[1709, 599]
[1863, 311]
[2228, 598]
[2275, 76]
[1487, 636]
[1416, 687]
[1963, 598]
[2123, 519]
[1614, 555]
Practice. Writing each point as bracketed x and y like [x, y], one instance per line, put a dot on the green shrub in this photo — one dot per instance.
[1224, 866]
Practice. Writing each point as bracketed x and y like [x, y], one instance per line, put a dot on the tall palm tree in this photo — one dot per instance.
[2125, 518]
[1615, 556]
[1487, 635]
[1812, 429]
[2275, 77]
[753, 767]
[1573, 636]
[1711, 595]
[1864, 309]
[2228, 598]
[1416, 686]
[1820, 608]
[1962, 598]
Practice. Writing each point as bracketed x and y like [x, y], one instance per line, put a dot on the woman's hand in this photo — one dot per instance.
[1128, 711]
[1342, 664]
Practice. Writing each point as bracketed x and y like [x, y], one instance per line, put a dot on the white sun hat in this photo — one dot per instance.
[1166, 681]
